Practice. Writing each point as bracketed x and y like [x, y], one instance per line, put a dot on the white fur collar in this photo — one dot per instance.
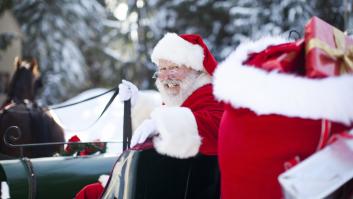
[200, 81]
[276, 93]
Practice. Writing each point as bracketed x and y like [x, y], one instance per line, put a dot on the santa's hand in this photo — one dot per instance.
[128, 90]
[147, 129]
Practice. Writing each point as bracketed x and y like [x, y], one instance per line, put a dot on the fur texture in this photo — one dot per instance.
[145, 103]
[277, 93]
[174, 48]
[178, 134]
[189, 84]
[103, 179]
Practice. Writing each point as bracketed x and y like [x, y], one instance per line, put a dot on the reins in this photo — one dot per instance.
[47, 109]
[127, 129]
[116, 91]
[81, 101]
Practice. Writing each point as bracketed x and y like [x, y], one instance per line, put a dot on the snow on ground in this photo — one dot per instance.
[80, 119]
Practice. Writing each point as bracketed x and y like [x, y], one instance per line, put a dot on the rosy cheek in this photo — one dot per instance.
[166, 76]
[163, 76]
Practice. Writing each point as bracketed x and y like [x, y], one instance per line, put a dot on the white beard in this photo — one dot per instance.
[188, 85]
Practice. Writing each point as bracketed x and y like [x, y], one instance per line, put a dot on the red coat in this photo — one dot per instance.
[271, 119]
[208, 113]
[184, 131]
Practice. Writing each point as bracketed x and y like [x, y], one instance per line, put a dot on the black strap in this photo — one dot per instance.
[85, 100]
[109, 103]
[127, 129]
[116, 92]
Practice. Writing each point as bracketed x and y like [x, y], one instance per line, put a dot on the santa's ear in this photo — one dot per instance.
[17, 62]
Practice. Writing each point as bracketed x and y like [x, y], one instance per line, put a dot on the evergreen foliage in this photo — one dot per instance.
[83, 43]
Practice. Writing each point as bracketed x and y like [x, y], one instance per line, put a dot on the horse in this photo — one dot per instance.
[21, 110]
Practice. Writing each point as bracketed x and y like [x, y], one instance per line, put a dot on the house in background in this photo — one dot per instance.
[8, 24]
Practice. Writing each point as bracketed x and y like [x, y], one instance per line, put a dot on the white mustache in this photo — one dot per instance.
[171, 82]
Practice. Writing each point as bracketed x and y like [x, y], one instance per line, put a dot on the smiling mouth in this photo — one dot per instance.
[171, 85]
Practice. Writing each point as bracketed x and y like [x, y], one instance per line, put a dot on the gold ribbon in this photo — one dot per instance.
[342, 53]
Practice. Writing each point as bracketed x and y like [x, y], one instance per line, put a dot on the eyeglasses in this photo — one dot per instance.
[173, 71]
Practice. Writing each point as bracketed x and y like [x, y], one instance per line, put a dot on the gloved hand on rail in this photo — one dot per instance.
[128, 90]
[147, 129]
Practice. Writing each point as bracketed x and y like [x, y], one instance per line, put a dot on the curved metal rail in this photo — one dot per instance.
[14, 133]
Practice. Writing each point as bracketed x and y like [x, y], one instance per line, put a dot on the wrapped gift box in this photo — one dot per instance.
[327, 50]
[325, 174]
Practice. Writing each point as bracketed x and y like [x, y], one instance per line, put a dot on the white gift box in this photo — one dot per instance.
[321, 174]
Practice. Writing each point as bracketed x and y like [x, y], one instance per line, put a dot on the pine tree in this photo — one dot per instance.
[60, 34]
[80, 45]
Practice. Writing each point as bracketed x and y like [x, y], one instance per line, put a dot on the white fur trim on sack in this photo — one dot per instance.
[178, 134]
[277, 93]
[179, 51]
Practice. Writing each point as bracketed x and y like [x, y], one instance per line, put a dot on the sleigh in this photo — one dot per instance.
[141, 173]
[138, 172]
[147, 174]
[52, 177]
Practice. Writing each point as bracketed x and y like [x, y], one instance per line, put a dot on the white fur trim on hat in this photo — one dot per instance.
[179, 51]
[278, 93]
[178, 134]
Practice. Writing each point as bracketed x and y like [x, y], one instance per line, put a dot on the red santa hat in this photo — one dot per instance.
[186, 49]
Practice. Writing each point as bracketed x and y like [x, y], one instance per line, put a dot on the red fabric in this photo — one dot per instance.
[318, 63]
[148, 144]
[208, 113]
[91, 191]
[285, 58]
[69, 148]
[209, 62]
[253, 150]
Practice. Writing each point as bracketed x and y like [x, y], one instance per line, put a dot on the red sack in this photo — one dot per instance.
[284, 58]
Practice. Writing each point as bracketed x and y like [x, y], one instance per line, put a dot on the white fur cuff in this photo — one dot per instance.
[103, 179]
[178, 134]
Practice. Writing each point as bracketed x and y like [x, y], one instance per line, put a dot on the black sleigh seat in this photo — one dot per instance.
[146, 174]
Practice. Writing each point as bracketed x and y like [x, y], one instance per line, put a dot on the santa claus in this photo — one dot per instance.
[188, 121]
[273, 118]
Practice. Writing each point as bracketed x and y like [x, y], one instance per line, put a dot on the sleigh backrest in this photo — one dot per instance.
[147, 174]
